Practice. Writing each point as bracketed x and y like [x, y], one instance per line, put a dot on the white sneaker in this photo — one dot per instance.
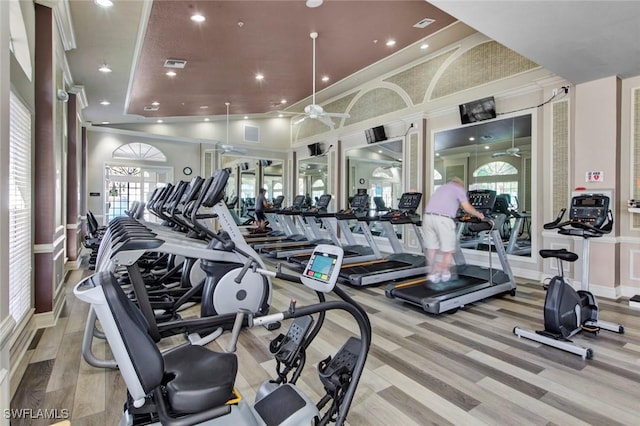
[434, 277]
[446, 276]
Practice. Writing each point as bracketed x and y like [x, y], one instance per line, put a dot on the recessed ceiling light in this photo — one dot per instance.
[204, 106]
[206, 119]
[424, 46]
[246, 117]
[379, 151]
[259, 77]
[198, 18]
[158, 121]
[106, 122]
[280, 115]
[155, 103]
[171, 73]
[104, 3]
[391, 42]
[105, 103]
[283, 101]
[472, 138]
[325, 78]
[104, 68]
[314, 3]
[486, 147]
[437, 154]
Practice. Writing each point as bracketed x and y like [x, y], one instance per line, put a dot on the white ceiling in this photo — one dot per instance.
[578, 40]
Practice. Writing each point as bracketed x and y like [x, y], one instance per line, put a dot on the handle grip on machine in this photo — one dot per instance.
[556, 223]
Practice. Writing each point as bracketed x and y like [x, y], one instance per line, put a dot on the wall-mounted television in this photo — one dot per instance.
[482, 109]
[315, 149]
[375, 134]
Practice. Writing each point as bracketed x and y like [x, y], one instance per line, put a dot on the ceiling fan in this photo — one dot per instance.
[225, 148]
[314, 110]
[514, 151]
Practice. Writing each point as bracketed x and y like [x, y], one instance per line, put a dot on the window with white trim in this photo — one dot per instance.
[20, 263]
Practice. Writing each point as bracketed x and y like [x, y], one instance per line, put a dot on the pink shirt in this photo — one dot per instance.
[446, 199]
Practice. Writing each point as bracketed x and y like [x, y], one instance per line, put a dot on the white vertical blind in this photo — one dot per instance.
[20, 257]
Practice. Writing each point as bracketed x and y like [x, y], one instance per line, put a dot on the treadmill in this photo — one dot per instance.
[473, 283]
[400, 264]
[353, 252]
[285, 249]
[287, 226]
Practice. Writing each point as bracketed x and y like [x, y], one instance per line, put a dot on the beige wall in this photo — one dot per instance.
[101, 145]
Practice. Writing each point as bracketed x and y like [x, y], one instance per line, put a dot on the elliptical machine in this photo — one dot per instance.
[567, 311]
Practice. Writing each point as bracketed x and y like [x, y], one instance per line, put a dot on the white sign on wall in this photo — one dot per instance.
[595, 176]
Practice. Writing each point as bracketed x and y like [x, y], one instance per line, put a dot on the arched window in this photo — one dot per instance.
[277, 189]
[495, 168]
[499, 176]
[139, 151]
[317, 188]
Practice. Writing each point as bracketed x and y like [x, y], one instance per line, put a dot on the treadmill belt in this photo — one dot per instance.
[416, 290]
[372, 268]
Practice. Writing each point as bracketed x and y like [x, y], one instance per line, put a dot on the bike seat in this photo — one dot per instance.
[562, 254]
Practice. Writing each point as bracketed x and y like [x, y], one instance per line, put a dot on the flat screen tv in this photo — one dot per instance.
[482, 109]
[375, 134]
[315, 149]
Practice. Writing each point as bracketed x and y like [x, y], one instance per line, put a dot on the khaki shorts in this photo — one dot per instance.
[439, 233]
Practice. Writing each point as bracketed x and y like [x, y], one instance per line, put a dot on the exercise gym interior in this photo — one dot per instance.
[137, 135]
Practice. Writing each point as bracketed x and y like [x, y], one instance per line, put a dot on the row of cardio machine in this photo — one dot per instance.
[363, 264]
[190, 384]
[404, 272]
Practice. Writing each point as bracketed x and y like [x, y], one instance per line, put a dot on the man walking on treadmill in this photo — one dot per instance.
[440, 228]
[260, 206]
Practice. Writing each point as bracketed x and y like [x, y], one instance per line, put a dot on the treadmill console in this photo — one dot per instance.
[298, 201]
[359, 202]
[323, 268]
[409, 202]
[589, 208]
[407, 206]
[483, 200]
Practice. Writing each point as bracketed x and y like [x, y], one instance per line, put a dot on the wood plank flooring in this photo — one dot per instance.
[465, 368]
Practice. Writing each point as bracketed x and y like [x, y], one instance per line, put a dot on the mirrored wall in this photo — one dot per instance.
[312, 178]
[247, 175]
[376, 169]
[494, 155]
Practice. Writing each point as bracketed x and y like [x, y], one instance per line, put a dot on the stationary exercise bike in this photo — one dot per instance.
[567, 312]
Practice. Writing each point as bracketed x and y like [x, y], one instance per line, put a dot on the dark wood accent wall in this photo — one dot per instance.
[44, 175]
[72, 179]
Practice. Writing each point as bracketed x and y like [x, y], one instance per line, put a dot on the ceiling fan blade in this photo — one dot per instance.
[288, 112]
[300, 120]
[498, 154]
[337, 114]
[324, 119]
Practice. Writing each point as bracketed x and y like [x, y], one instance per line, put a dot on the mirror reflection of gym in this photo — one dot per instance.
[493, 155]
[312, 177]
[377, 169]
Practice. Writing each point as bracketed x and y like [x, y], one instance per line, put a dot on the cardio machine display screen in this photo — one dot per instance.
[321, 266]
[409, 201]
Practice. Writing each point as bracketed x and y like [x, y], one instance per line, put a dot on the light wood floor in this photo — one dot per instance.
[465, 368]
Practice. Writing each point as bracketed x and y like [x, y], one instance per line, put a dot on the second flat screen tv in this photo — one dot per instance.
[482, 109]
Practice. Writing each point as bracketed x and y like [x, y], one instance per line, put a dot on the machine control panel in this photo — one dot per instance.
[589, 208]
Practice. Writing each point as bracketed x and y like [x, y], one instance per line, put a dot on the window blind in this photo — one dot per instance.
[20, 257]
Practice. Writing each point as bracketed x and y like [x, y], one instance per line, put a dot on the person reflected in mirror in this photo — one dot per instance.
[439, 227]
[260, 206]
[308, 203]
